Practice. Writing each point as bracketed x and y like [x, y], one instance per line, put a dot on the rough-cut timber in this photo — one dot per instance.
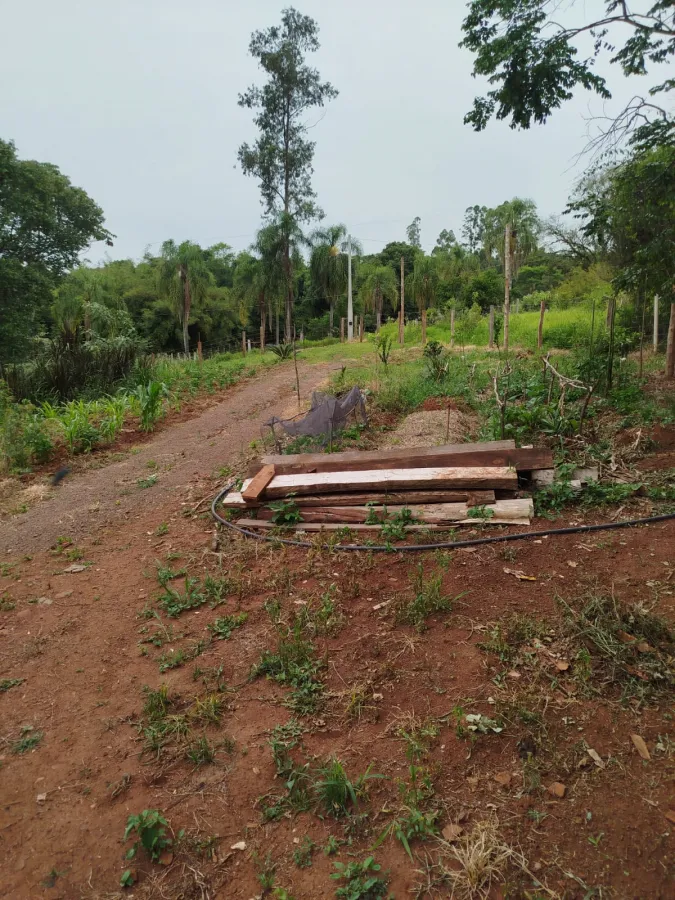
[433, 513]
[257, 485]
[493, 453]
[336, 526]
[469, 477]
[234, 499]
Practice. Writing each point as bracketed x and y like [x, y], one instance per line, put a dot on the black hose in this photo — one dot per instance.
[448, 545]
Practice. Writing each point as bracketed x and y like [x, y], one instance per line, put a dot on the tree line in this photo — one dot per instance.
[617, 238]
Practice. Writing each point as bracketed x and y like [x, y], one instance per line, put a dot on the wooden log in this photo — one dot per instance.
[234, 499]
[256, 487]
[493, 453]
[335, 526]
[433, 513]
[397, 479]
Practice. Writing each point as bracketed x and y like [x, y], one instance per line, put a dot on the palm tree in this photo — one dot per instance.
[184, 278]
[379, 284]
[424, 285]
[328, 263]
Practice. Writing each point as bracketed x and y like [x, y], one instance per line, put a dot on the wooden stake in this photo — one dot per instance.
[540, 333]
[670, 346]
[297, 377]
[401, 325]
[642, 330]
[424, 326]
[243, 342]
[262, 338]
[342, 331]
[507, 284]
[452, 327]
[200, 355]
[491, 331]
[655, 336]
[361, 329]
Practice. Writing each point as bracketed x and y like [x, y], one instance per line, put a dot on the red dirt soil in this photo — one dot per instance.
[74, 638]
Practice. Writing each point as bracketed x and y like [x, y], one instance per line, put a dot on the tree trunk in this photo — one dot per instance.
[670, 347]
[507, 285]
[361, 328]
[655, 332]
[491, 329]
[262, 323]
[378, 320]
[277, 329]
[401, 327]
[187, 303]
[642, 330]
[331, 312]
[424, 326]
[540, 333]
[452, 327]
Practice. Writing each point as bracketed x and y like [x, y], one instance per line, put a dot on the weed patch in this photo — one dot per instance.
[223, 627]
[428, 599]
[293, 664]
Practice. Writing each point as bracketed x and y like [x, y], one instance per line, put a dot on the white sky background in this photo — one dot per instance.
[136, 101]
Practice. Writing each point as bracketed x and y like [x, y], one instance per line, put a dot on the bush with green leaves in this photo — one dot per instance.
[282, 351]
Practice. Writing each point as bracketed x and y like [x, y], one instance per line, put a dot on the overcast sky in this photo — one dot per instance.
[136, 101]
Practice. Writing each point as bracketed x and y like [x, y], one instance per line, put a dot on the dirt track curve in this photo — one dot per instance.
[183, 453]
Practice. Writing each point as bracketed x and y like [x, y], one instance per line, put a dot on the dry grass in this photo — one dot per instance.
[470, 867]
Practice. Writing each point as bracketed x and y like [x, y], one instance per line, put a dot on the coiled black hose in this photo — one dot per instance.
[448, 545]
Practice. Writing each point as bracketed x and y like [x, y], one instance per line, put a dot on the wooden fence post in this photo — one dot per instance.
[491, 329]
[361, 329]
[540, 333]
[452, 327]
[656, 323]
[507, 284]
[243, 342]
[670, 347]
[200, 355]
[342, 331]
[401, 324]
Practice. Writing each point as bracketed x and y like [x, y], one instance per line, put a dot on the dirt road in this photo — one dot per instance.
[179, 455]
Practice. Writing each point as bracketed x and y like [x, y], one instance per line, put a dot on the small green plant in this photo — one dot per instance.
[7, 683]
[483, 513]
[302, 855]
[127, 879]
[285, 512]
[394, 529]
[150, 400]
[362, 881]
[161, 529]
[29, 740]
[437, 360]
[200, 752]
[150, 828]
[172, 660]
[428, 599]
[222, 628]
[148, 482]
[332, 846]
[383, 348]
[174, 603]
[334, 790]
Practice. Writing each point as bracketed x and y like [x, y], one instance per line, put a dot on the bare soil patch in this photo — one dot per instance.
[85, 646]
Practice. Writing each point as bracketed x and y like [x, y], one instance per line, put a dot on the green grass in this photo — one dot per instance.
[563, 329]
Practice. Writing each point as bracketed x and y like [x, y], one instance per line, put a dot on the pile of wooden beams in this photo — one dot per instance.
[442, 487]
